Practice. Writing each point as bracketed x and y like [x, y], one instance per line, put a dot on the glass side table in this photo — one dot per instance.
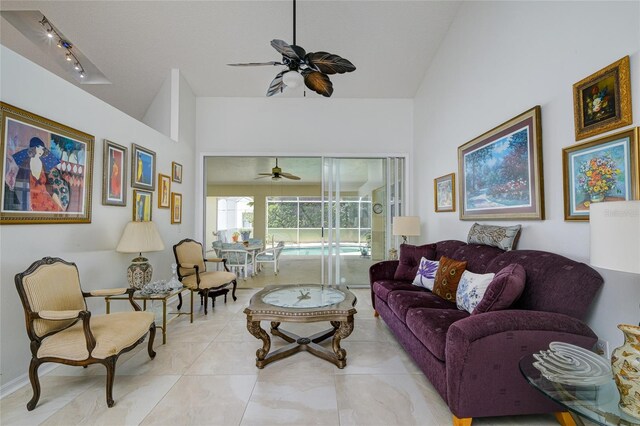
[596, 403]
[162, 297]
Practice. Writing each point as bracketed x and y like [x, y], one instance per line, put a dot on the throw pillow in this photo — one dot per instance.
[426, 273]
[471, 290]
[447, 278]
[503, 237]
[410, 260]
[504, 290]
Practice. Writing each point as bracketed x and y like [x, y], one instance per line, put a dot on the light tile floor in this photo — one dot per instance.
[206, 375]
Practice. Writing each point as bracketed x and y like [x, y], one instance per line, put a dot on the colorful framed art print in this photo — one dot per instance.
[176, 207]
[501, 171]
[143, 168]
[444, 190]
[142, 205]
[600, 171]
[46, 170]
[164, 191]
[176, 172]
[114, 174]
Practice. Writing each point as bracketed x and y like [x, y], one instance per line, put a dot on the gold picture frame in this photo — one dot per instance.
[444, 193]
[602, 170]
[46, 169]
[142, 205]
[602, 101]
[176, 208]
[164, 191]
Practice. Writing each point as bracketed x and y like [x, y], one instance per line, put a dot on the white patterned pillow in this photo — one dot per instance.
[471, 290]
[426, 273]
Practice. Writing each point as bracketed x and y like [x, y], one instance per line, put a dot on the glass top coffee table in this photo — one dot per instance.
[596, 403]
[302, 303]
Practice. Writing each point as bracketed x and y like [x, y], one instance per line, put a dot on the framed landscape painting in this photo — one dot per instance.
[46, 170]
[501, 171]
[114, 174]
[176, 207]
[164, 191]
[444, 189]
[143, 168]
[142, 205]
[600, 171]
[602, 101]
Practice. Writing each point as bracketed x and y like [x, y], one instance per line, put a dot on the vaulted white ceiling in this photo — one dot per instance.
[136, 43]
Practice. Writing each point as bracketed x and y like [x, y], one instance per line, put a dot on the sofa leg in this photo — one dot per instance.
[564, 418]
[462, 422]
[375, 313]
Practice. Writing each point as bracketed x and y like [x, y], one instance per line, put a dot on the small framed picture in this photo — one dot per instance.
[176, 172]
[114, 174]
[164, 191]
[444, 189]
[602, 101]
[143, 168]
[600, 171]
[176, 207]
[142, 205]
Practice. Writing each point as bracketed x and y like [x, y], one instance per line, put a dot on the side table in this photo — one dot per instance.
[163, 297]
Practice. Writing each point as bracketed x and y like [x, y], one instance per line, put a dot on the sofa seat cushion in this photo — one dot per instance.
[430, 326]
[401, 301]
[382, 288]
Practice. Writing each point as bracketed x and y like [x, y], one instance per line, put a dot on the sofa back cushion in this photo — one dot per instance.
[505, 288]
[477, 256]
[410, 260]
[554, 283]
[447, 248]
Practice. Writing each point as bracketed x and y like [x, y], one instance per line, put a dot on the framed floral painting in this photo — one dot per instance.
[176, 172]
[114, 174]
[46, 170]
[164, 191]
[143, 168]
[600, 171]
[602, 101]
[501, 171]
[176, 207]
[142, 205]
[444, 189]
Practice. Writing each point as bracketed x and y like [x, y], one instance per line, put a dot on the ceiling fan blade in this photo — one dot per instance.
[318, 82]
[286, 50]
[329, 63]
[255, 64]
[265, 174]
[277, 85]
[262, 177]
[289, 176]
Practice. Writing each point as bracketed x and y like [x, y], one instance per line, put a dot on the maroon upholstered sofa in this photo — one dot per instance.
[472, 360]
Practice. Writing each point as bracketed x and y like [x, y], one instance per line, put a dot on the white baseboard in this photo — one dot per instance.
[23, 380]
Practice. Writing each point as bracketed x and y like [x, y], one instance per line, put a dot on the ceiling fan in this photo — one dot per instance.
[312, 67]
[277, 174]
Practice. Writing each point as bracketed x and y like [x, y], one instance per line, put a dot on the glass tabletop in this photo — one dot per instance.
[596, 403]
[303, 296]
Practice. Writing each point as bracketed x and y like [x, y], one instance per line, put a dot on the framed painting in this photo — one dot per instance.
[176, 172]
[501, 171]
[602, 101]
[600, 171]
[143, 168]
[164, 191]
[114, 174]
[176, 207]
[46, 168]
[142, 205]
[444, 190]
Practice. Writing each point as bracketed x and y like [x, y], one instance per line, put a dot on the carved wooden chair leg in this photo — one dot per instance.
[233, 292]
[35, 384]
[206, 295]
[110, 364]
[152, 336]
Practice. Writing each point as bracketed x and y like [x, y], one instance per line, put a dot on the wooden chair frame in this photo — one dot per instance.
[84, 316]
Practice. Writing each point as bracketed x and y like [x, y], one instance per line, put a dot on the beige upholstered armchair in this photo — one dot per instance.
[193, 274]
[62, 330]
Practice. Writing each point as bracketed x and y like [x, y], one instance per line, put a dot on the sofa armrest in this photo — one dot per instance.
[383, 270]
[483, 351]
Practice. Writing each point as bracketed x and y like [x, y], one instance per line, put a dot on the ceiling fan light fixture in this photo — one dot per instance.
[292, 79]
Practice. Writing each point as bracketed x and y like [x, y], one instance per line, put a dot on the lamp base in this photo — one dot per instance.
[393, 254]
[139, 272]
[625, 365]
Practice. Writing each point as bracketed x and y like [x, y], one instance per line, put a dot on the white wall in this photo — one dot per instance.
[90, 246]
[498, 60]
[158, 114]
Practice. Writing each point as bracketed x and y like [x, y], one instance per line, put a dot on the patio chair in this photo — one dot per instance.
[63, 330]
[237, 259]
[270, 255]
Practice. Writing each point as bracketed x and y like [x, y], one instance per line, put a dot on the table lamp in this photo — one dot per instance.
[404, 226]
[615, 245]
[139, 237]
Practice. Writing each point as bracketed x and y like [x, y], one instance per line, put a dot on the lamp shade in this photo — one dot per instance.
[139, 237]
[615, 235]
[406, 225]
